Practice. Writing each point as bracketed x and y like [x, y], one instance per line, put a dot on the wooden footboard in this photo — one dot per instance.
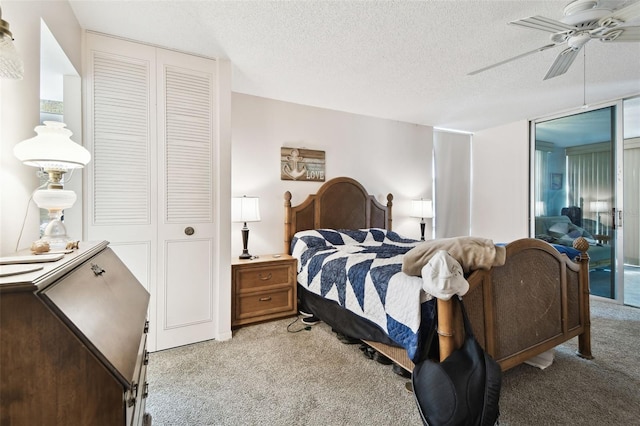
[537, 300]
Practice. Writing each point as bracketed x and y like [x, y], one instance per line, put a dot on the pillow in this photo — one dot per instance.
[559, 228]
[575, 231]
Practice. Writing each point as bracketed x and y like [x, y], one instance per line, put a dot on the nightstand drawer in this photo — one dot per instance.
[263, 276]
[262, 289]
[264, 303]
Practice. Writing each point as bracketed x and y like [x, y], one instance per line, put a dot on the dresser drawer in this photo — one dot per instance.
[249, 279]
[264, 303]
[136, 397]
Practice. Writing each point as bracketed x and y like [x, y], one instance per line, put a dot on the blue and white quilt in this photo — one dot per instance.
[361, 270]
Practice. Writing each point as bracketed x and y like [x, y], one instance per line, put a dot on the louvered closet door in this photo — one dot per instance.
[151, 127]
[186, 135]
[120, 132]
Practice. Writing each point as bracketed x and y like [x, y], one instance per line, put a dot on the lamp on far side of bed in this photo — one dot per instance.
[422, 209]
[598, 207]
[245, 209]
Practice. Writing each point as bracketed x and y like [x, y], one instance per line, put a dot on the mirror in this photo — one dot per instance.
[61, 100]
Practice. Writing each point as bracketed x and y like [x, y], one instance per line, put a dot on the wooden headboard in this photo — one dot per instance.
[341, 203]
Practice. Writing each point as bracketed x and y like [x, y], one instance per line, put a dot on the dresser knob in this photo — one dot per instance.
[189, 230]
[265, 278]
[265, 299]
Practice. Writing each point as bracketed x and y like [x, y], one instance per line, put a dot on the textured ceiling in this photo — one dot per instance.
[400, 60]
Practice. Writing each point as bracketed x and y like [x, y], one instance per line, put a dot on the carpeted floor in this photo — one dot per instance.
[268, 376]
[600, 284]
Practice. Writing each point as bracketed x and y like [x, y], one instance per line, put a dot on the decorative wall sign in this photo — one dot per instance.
[301, 164]
[556, 181]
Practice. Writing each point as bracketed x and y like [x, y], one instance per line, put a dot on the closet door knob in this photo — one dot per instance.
[189, 230]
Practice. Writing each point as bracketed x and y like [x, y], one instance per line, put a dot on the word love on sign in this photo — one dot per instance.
[301, 164]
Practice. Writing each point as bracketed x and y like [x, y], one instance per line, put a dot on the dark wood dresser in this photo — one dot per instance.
[73, 343]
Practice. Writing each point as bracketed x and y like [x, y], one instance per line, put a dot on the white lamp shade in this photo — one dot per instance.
[421, 208]
[245, 209]
[52, 149]
[598, 206]
[54, 199]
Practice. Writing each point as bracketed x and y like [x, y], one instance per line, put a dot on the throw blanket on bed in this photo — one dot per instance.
[361, 270]
[472, 253]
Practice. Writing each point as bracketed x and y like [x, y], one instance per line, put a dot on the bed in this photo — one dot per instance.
[561, 230]
[536, 300]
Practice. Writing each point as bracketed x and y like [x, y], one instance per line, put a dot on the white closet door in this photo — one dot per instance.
[120, 132]
[152, 127]
[186, 141]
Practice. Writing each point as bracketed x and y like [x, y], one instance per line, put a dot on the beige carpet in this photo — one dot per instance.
[268, 376]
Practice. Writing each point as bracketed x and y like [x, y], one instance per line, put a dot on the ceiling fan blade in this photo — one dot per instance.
[543, 24]
[562, 62]
[522, 55]
[625, 14]
[621, 34]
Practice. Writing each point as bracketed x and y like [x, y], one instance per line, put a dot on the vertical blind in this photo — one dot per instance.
[452, 153]
[589, 179]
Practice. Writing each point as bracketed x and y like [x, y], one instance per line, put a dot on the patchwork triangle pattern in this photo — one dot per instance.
[359, 269]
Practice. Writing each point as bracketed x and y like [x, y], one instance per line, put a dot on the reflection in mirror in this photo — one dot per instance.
[60, 100]
[574, 188]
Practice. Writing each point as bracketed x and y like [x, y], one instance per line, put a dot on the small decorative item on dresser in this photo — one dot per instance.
[263, 288]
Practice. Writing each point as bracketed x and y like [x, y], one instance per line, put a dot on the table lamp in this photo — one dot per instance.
[245, 209]
[55, 153]
[422, 209]
[598, 207]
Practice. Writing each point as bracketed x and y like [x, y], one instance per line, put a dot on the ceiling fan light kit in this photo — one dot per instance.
[581, 11]
[583, 21]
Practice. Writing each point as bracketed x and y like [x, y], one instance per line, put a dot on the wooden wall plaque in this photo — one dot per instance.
[301, 164]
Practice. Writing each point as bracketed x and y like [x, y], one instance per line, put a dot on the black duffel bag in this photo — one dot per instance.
[464, 389]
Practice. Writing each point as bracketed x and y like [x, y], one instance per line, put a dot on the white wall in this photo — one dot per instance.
[384, 156]
[500, 182]
[19, 110]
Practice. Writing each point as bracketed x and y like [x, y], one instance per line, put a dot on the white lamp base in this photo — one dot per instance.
[55, 233]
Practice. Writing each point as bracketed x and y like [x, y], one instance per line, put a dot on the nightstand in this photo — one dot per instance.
[263, 288]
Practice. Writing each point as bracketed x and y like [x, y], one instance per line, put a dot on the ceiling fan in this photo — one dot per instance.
[583, 21]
